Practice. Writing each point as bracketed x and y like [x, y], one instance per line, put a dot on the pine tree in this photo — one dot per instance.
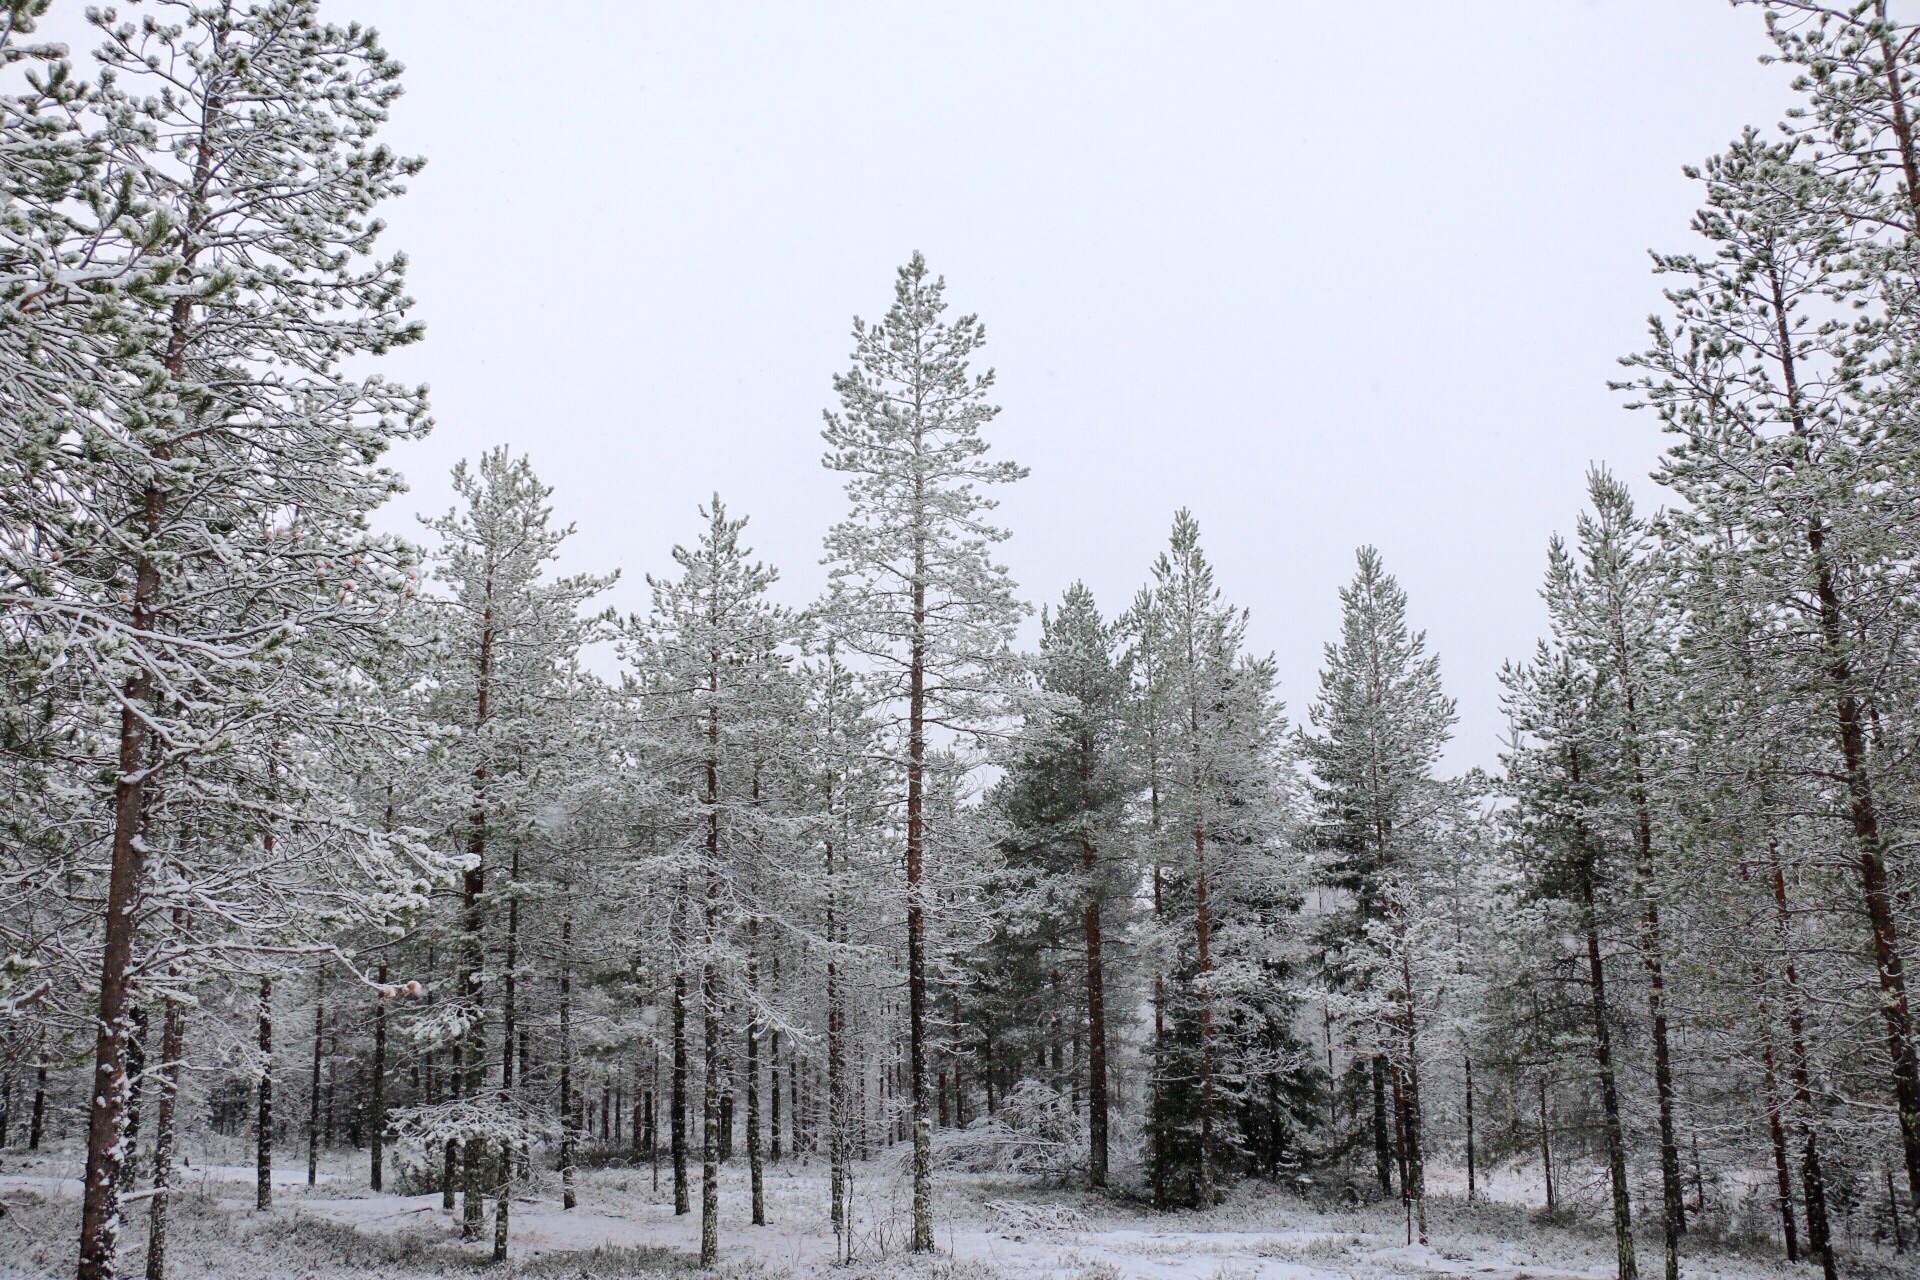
[1383, 720]
[916, 595]
[1063, 800]
[1226, 814]
[713, 641]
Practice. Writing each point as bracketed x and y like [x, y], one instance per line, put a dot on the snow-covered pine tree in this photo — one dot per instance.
[1063, 800]
[1227, 879]
[1787, 432]
[718, 690]
[1552, 775]
[189, 467]
[917, 598]
[509, 635]
[1382, 720]
[1609, 608]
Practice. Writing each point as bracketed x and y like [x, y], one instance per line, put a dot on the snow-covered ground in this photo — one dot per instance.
[988, 1228]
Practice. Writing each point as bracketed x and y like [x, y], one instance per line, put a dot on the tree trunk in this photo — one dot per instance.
[921, 1240]
[106, 1114]
[836, 1061]
[377, 1122]
[503, 1185]
[755, 1168]
[1603, 1061]
[567, 1198]
[1546, 1162]
[1673, 1216]
[1382, 1138]
[681, 1198]
[1096, 1026]
[710, 1005]
[773, 1093]
[173, 1038]
[136, 1083]
[37, 1123]
[313, 1096]
[1203, 943]
[1472, 1186]
[263, 1118]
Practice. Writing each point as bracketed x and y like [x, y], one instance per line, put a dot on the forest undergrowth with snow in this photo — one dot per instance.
[354, 922]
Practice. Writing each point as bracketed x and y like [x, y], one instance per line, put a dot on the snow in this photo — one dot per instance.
[988, 1227]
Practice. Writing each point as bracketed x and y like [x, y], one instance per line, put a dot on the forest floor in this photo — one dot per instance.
[988, 1228]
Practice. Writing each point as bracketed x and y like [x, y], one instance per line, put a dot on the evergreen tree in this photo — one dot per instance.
[1383, 721]
[916, 594]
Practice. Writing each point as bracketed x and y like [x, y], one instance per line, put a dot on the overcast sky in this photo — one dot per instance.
[1325, 274]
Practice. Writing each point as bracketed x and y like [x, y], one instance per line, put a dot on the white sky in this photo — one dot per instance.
[1325, 274]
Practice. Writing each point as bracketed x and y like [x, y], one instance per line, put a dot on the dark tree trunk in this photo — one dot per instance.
[773, 1093]
[173, 1045]
[567, 1125]
[313, 1094]
[263, 1118]
[1546, 1151]
[37, 1121]
[1382, 1137]
[1096, 1025]
[678, 1105]
[921, 1240]
[836, 1053]
[136, 1084]
[755, 1169]
[377, 1121]
[1603, 1061]
[1472, 1184]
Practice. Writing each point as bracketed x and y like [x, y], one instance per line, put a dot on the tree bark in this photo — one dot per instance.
[567, 1126]
[263, 1117]
[378, 1120]
[173, 1037]
[922, 1235]
[1603, 1062]
[755, 1166]
[1096, 1026]
[1472, 1186]
[313, 1094]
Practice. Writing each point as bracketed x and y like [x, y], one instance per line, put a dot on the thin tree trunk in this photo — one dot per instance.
[773, 1092]
[1472, 1185]
[173, 1044]
[710, 1003]
[1382, 1137]
[836, 1060]
[1673, 1217]
[755, 1168]
[36, 1125]
[263, 1117]
[378, 1120]
[1546, 1155]
[503, 1187]
[1603, 1061]
[567, 1127]
[1777, 1140]
[1096, 1025]
[1203, 941]
[313, 1094]
[921, 1240]
[681, 1197]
